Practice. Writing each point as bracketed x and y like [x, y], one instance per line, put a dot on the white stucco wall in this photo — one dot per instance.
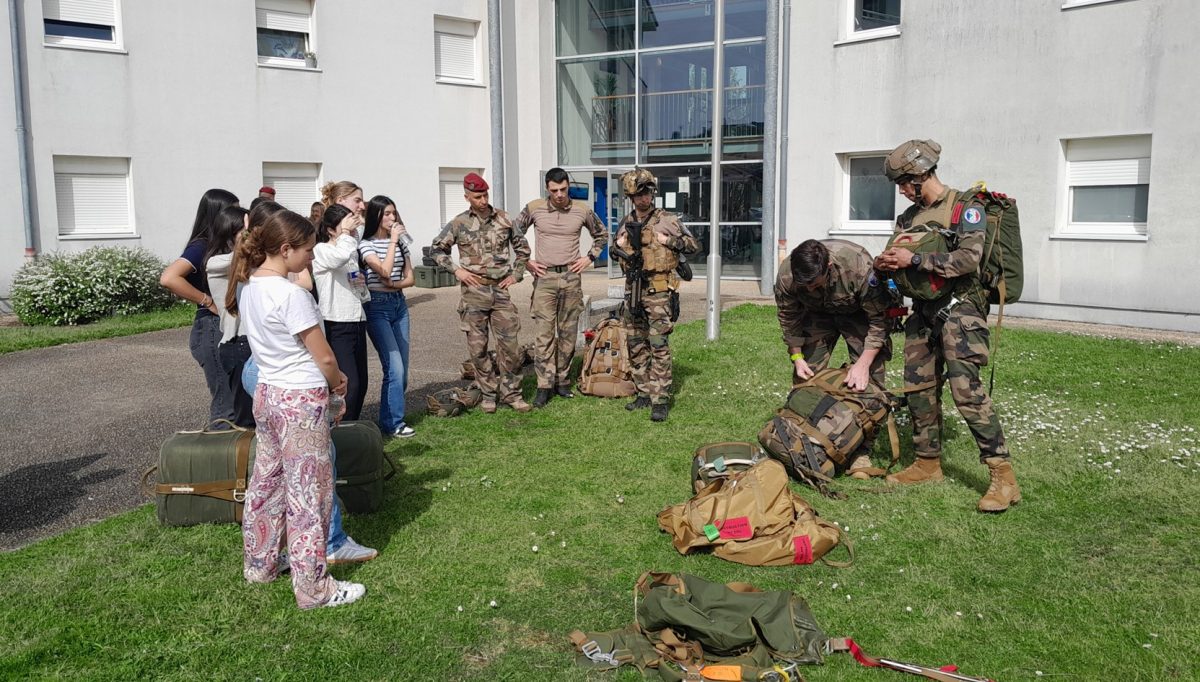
[192, 109]
[1000, 95]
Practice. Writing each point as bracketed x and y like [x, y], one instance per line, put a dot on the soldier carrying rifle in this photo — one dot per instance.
[649, 241]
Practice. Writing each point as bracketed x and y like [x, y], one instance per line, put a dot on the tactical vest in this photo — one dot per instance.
[935, 234]
[658, 262]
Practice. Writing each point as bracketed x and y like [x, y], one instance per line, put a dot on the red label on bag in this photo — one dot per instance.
[736, 529]
[803, 548]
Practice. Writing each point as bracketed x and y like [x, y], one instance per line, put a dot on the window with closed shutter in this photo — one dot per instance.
[80, 22]
[450, 191]
[93, 196]
[296, 184]
[1108, 185]
[456, 50]
[284, 31]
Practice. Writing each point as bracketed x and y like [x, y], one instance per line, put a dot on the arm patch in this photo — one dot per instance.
[973, 218]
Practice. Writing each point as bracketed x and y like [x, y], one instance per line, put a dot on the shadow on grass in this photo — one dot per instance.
[40, 493]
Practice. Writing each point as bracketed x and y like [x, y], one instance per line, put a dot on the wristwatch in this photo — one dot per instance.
[916, 260]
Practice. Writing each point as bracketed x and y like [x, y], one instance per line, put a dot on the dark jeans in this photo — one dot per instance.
[349, 343]
[206, 336]
[234, 353]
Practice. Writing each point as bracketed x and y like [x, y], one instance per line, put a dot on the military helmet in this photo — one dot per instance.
[915, 157]
[637, 181]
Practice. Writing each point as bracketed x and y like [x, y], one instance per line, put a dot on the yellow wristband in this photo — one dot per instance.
[797, 356]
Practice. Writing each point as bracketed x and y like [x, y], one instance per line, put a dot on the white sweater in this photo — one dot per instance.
[335, 266]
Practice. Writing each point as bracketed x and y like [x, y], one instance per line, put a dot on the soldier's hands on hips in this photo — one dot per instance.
[507, 282]
[856, 378]
[467, 277]
[535, 267]
[802, 369]
[580, 264]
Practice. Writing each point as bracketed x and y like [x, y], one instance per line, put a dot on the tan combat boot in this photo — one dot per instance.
[922, 470]
[1003, 491]
[858, 468]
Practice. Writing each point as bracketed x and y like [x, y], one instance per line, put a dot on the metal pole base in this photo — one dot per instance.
[713, 327]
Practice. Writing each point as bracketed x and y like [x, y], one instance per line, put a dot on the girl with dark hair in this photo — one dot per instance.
[292, 483]
[341, 291]
[389, 271]
[187, 279]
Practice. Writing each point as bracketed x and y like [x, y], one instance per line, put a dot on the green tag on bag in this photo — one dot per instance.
[719, 464]
[711, 531]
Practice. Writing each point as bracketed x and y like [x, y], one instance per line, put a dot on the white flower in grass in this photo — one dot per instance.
[563, 543]
[833, 586]
[908, 609]
[847, 597]
[460, 609]
[1146, 645]
[493, 603]
[535, 549]
[1039, 672]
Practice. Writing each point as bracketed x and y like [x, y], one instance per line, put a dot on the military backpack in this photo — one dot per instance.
[452, 402]
[606, 370]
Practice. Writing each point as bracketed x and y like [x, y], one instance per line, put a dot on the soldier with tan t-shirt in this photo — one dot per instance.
[557, 291]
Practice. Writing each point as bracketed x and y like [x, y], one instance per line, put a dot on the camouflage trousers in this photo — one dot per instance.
[481, 308]
[649, 353]
[821, 334]
[556, 305]
[951, 351]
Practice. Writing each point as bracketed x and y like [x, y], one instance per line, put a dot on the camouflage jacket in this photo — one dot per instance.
[488, 248]
[679, 238]
[852, 287]
[963, 258]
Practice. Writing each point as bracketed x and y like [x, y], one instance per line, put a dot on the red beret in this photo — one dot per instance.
[267, 189]
[473, 183]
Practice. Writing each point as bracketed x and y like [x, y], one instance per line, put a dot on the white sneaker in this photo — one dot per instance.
[404, 431]
[351, 553]
[347, 593]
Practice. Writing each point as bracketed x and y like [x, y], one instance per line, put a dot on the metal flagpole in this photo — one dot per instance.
[713, 326]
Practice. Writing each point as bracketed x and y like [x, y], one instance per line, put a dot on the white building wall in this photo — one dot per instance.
[189, 105]
[1000, 88]
[12, 227]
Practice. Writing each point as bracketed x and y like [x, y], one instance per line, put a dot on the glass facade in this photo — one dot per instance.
[644, 98]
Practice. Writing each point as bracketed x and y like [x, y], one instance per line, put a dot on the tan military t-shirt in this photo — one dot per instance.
[558, 229]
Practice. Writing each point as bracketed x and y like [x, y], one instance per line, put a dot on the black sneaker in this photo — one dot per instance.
[541, 398]
[564, 391]
[640, 403]
[658, 413]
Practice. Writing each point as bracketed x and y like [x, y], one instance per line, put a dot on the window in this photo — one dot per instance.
[284, 31]
[1107, 186]
[295, 184]
[868, 198]
[81, 23]
[93, 196]
[456, 55]
[870, 19]
[450, 191]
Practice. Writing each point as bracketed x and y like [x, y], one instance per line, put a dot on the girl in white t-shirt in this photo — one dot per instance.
[292, 483]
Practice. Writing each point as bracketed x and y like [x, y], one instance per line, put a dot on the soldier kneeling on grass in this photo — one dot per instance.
[946, 336]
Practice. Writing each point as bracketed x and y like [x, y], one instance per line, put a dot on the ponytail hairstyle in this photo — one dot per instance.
[260, 241]
[332, 217]
[375, 208]
[334, 192]
[213, 201]
[229, 222]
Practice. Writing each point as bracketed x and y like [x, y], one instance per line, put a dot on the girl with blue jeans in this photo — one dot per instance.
[389, 272]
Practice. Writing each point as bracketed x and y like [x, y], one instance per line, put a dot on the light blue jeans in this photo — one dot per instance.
[387, 325]
[337, 534]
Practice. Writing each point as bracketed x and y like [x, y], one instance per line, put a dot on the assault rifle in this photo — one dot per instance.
[635, 274]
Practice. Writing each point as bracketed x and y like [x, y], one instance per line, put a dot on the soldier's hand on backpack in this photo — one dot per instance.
[857, 377]
[802, 369]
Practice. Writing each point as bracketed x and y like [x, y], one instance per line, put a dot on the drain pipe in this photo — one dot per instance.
[18, 65]
[496, 97]
[766, 284]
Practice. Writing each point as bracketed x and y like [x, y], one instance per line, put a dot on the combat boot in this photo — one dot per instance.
[922, 470]
[520, 405]
[1003, 491]
[640, 403]
[564, 391]
[541, 398]
[658, 412]
[858, 468]
[488, 406]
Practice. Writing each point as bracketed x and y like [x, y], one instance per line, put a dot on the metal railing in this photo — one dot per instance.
[676, 116]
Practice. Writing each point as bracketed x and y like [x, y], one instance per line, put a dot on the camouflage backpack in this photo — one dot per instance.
[452, 402]
[606, 371]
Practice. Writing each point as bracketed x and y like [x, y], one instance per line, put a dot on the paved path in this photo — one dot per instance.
[81, 422]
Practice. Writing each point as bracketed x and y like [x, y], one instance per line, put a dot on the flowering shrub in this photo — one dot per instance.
[77, 288]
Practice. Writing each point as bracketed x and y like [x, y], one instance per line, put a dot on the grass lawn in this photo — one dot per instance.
[23, 338]
[1094, 576]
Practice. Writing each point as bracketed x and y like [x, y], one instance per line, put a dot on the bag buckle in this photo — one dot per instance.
[592, 650]
[943, 315]
[239, 496]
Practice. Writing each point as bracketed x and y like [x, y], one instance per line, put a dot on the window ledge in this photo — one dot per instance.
[106, 236]
[285, 67]
[1093, 237]
[1072, 4]
[874, 34]
[452, 81]
[99, 47]
[861, 232]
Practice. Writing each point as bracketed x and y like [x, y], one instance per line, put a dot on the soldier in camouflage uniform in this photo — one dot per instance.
[486, 270]
[663, 237]
[557, 290]
[946, 339]
[828, 290]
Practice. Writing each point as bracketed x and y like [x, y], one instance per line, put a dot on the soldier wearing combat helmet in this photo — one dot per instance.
[660, 238]
[946, 336]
